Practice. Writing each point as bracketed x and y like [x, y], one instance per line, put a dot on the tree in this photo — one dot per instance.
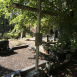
[65, 16]
[18, 17]
[68, 25]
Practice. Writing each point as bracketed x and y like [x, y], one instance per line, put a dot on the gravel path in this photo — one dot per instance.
[18, 60]
[25, 57]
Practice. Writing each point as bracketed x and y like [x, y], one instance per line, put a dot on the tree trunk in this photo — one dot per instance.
[4, 22]
[23, 33]
[47, 38]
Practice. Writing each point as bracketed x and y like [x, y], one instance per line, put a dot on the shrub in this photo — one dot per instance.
[10, 35]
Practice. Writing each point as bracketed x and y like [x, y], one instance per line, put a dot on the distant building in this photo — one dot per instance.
[33, 29]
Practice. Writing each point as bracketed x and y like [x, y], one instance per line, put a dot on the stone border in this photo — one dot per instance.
[24, 71]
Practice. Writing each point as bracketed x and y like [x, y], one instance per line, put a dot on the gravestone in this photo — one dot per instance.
[4, 44]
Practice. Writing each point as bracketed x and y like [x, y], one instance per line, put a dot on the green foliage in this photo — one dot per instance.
[68, 25]
[66, 20]
[27, 36]
[10, 35]
[18, 17]
[45, 28]
[46, 25]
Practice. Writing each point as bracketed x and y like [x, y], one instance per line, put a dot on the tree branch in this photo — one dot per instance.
[32, 9]
[51, 3]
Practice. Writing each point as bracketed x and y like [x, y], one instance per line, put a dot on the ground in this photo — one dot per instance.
[18, 60]
[25, 57]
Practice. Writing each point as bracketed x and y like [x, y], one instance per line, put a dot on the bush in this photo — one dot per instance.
[10, 35]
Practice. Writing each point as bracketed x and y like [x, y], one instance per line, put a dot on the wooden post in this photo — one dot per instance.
[38, 31]
[39, 11]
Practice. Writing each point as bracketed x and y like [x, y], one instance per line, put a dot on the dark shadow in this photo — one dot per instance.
[42, 56]
[4, 71]
[45, 57]
[34, 57]
[8, 54]
[67, 71]
[30, 40]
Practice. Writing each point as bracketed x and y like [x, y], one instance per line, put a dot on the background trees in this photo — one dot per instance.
[65, 19]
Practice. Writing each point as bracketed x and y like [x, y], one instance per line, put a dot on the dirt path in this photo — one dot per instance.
[18, 60]
[25, 57]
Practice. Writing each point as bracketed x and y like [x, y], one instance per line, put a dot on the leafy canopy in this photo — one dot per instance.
[66, 20]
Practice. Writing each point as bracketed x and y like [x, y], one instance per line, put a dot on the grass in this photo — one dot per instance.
[28, 36]
[11, 34]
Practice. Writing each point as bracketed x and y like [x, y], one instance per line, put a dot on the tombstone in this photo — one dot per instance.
[4, 45]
